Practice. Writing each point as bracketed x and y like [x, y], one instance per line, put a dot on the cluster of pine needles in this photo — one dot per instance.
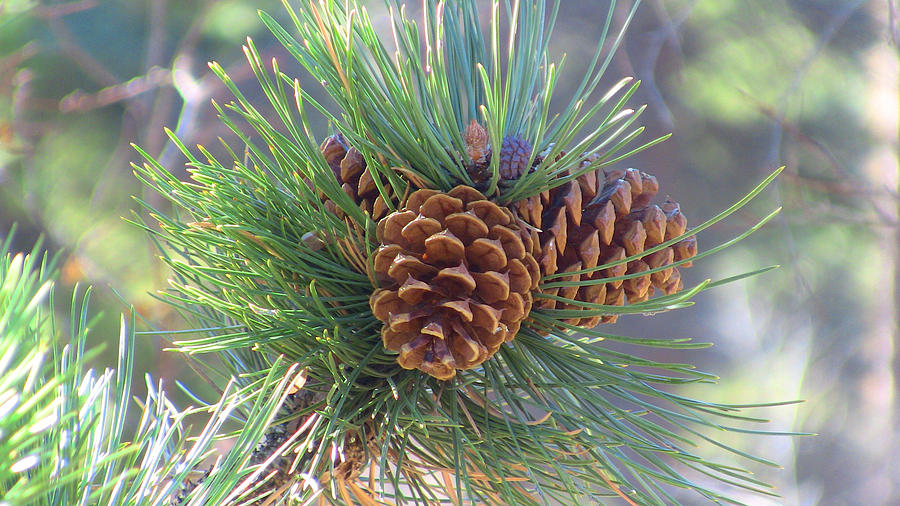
[278, 287]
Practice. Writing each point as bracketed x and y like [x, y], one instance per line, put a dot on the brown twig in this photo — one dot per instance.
[156, 37]
[79, 101]
[60, 10]
[795, 132]
[645, 69]
[893, 23]
[777, 134]
[11, 63]
[153, 138]
[91, 67]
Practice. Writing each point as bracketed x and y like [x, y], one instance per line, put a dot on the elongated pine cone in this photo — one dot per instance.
[350, 169]
[456, 272]
[599, 218]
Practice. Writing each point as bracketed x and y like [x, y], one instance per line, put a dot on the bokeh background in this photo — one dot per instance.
[745, 87]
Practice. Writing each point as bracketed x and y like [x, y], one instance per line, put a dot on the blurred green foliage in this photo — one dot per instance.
[744, 86]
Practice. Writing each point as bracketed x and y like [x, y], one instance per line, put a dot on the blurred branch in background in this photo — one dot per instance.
[644, 58]
[92, 68]
[164, 90]
[869, 350]
[774, 157]
[79, 101]
[64, 9]
[891, 136]
[74, 95]
[893, 22]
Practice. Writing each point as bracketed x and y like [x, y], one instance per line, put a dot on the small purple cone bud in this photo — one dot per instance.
[514, 155]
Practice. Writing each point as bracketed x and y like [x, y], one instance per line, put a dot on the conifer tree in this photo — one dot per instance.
[411, 308]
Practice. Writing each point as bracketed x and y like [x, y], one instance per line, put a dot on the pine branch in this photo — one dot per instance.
[65, 434]
[280, 249]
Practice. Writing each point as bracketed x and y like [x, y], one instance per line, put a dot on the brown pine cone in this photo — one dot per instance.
[350, 169]
[478, 143]
[603, 217]
[456, 273]
[478, 150]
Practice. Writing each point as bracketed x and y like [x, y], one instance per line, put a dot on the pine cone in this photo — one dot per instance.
[456, 272]
[478, 143]
[478, 150]
[514, 155]
[349, 168]
[603, 217]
